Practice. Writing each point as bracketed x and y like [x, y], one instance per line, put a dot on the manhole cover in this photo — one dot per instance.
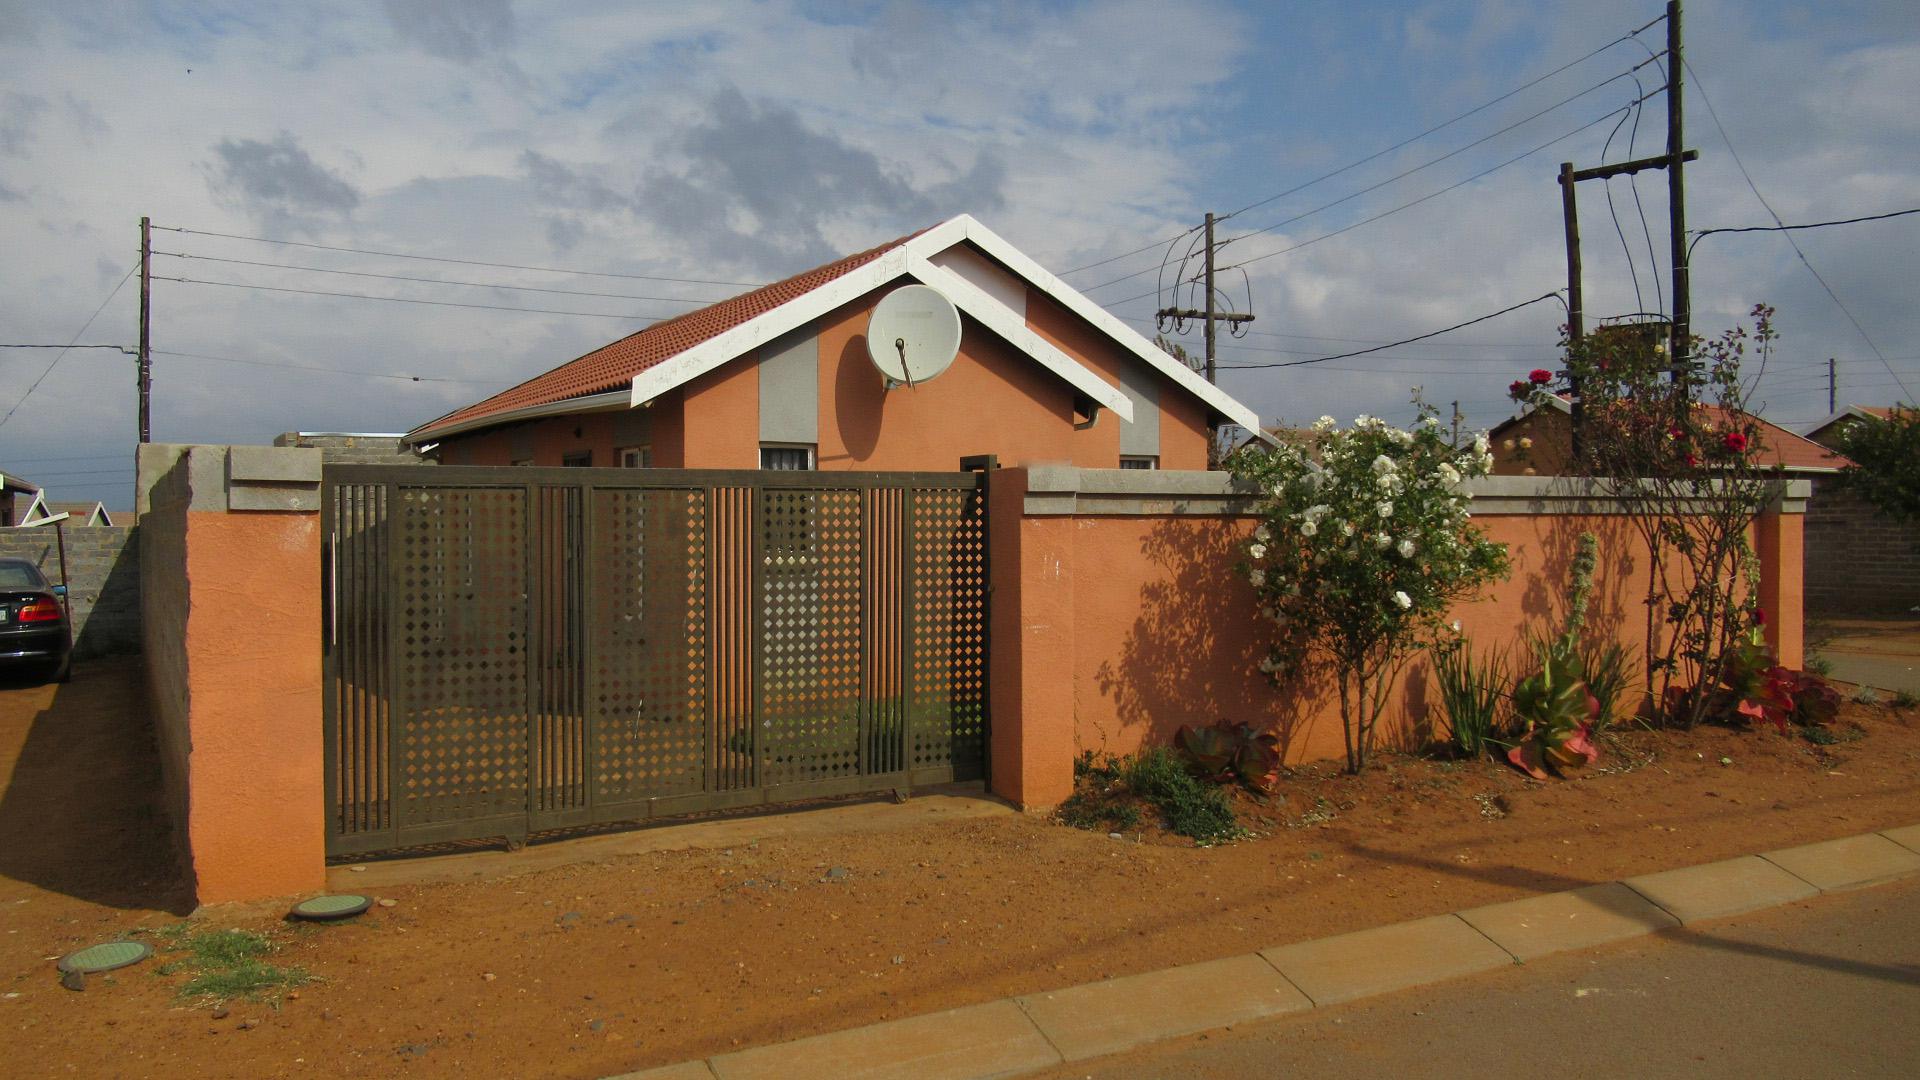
[331, 907]
[98, 958]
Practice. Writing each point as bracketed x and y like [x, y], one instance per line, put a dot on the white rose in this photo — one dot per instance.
[1257, 551]
[1257, 577]
[1261, 534]
[1448, 474]
[1405, 549]
[1346, 528]
[1382, 464]
[1403, 600]
[1308, 528]
[1480, 445]
[1383, 508]
[1325, 423]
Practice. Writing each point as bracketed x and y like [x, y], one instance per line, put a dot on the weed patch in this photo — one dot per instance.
[224, 965]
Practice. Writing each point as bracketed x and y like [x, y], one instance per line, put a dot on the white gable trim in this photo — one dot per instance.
[1129, 338]
[998, 318]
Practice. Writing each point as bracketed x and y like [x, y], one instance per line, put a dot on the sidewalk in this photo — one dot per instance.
[1016, 1036]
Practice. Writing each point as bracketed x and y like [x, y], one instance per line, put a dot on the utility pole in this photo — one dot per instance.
[1675, 157]
[1682, 345]
[1208, 314]
[1833, 387]
[146, 311]
[1456, 424]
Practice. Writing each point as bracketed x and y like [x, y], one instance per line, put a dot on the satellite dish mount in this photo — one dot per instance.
[913, 335]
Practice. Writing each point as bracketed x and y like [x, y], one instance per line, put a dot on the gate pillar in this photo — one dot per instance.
[1031, 663]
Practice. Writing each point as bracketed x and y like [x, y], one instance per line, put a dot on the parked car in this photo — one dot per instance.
[34, 634]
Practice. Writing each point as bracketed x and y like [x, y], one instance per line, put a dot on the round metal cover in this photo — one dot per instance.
[105, 957]
[332, 907]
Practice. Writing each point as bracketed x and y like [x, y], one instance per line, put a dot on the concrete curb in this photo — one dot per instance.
[1016, 1036]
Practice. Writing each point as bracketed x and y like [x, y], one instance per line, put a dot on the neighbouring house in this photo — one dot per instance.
[356, 447]
[1860, 562]
[11, 488]
[1538, 442]
[779, 377]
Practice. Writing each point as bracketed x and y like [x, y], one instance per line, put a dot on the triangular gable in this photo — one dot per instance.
[100, 516]
[37, 514]
[734, 328]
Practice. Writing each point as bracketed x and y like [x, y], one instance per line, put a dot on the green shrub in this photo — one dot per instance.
[1905, 699]
[1866, 695]
[1610, 672]
[1470, 692]
[1819, 665]
[1191, 806]
[1099, 812]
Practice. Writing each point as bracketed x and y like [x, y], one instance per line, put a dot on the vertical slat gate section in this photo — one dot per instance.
[513, 651]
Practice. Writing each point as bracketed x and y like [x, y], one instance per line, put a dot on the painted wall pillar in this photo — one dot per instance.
[1031, 665]
[234, 668]
[1779, 542]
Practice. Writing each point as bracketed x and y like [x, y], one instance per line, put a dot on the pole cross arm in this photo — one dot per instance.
[1628, 168]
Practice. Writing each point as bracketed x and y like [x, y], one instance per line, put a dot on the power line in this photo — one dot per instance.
[326, 370]
[1398, 176]
[1416, 202]
[1410, 140]
[1795, 228]
[63, 352]
[1419, 337]
[1435, 161]
[81, 457]
[434, 281]
[464, 262]
[406, 300]
[1755, 188]
[119, 348]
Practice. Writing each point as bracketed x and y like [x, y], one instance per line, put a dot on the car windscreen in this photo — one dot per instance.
[20, 576]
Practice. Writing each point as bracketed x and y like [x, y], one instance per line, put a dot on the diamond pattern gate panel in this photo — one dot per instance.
[516, 650]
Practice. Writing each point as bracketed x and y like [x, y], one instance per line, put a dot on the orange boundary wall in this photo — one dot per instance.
[1110, 631]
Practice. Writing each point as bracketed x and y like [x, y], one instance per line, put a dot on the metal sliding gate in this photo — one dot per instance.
[512, 650]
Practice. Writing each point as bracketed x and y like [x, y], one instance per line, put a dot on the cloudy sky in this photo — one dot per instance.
[679, 151]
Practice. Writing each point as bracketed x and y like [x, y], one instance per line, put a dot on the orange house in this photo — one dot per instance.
[780, 377]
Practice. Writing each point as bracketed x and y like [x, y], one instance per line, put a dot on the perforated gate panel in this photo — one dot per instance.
[516, 650]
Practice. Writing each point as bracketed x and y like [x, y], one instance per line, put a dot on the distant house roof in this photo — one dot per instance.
[1779, 447]
[10, 484]
[670, 353]
[1825, 430]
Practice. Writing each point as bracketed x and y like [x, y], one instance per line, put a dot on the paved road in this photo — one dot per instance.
[1883, 653]
[1829, 987]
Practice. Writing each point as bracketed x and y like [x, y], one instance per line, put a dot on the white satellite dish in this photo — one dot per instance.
[913, 334]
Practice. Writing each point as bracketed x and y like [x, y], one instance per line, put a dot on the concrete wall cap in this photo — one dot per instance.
[274, 464]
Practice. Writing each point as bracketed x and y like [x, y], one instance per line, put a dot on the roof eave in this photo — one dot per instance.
[607, 401]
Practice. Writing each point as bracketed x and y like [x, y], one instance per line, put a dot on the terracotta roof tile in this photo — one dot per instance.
[613, 366]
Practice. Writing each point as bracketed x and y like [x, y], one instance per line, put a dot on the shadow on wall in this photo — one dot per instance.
[81, 811]
[1193, 653]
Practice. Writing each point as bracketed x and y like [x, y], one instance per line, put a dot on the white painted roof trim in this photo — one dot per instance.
[1073, 300]
[996, 317]
[612, 399]
[1850, 412]
[907, 260]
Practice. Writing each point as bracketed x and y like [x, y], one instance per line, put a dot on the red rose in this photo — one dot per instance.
[1693, 460]
[1540, 376]
[1517, 390]
[1759, 616]
[1675, 433]
[1736, 442]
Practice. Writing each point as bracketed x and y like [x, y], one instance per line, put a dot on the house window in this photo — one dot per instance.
[581, 460]
[1139, 461]
[519, 462]
[635, 457]
[786, 456]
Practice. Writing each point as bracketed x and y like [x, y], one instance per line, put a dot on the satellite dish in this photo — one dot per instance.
[913, 334]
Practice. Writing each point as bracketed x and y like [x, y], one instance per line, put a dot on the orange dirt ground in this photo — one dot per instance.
[610, 965]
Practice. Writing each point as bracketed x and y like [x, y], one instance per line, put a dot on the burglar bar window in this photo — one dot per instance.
[786, 458]
[1139, 462]
[581, 460]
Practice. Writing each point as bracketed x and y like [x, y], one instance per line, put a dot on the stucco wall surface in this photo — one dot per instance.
[253, 674]
[1156, 629]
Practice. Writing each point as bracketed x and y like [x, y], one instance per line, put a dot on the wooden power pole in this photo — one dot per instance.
[1209, 314]
[145, 377]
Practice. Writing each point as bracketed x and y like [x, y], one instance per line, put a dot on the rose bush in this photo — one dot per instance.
[1364, 542]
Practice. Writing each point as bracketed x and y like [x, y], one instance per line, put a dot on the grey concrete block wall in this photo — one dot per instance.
[103, 581]
[355, 449]
[1859, 562]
